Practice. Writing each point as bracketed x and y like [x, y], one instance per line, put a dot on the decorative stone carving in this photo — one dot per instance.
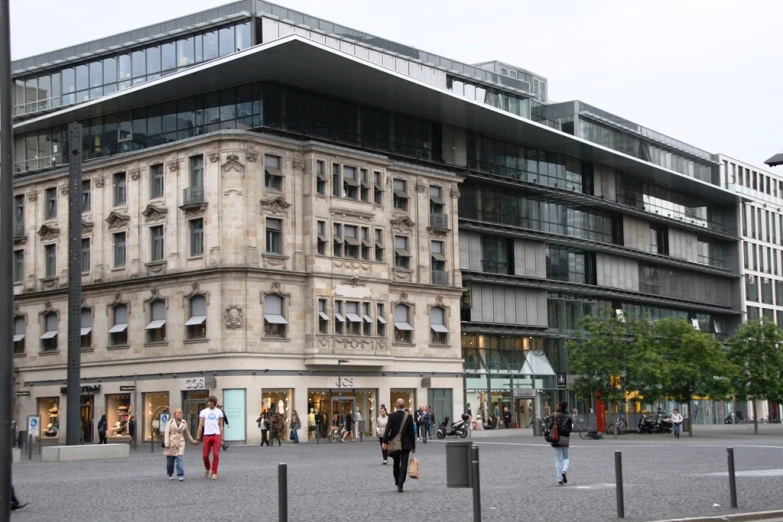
[64, 190]
[323, 342]
[439, 300]
[98, 182]
[154, 213]
[213, 157]
[355, 265]
[134, 174]
[233, 316]
[354, 281]
[87, 227]
[117, 221]
[32, 196]
[299, 165]
[438, 233]
[402, 225]
[48, 283]
[251, 157]
[173, 165]
[274, 261]
[232, 163]
[48, 232]
[421, 188]
[454, 193]
[404, 297]
[16, 309]
[48, 307]
[194, 210]
[276, 205]
[158, 267]
[352, 217]
[356, 344]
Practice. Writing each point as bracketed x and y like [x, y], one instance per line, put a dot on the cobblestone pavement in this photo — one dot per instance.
[664, 479]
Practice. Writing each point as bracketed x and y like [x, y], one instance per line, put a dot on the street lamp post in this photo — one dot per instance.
[340, 388]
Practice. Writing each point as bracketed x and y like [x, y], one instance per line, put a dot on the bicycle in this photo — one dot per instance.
[620, 421]
[336, 433]
[589, 434]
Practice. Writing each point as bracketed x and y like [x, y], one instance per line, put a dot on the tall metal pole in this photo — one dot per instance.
[6, 256]
[339, 395]
[72, 425]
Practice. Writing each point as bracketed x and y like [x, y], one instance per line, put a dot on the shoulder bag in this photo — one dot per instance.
[553, 436]
[395, 445]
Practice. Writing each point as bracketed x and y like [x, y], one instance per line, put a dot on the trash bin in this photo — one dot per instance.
[538, 427]
[362, 427]
[458, 464]
[686, 424]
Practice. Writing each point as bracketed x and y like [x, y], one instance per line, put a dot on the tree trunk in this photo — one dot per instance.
[755, 419]
[616, 410]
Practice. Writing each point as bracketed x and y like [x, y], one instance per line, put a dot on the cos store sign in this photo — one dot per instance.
[199, 383]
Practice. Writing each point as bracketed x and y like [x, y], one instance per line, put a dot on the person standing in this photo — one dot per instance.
[102, 428]
[400, 423]
[348, 426]
[225, 423]
[506, 417]
[263, 425]
[425, 423]
[296, 424]
[677, 422]
[274, 427]
[419, 421]
[174, 443]
[564, 425]
[380, 429]
[210, 426]
[132, 430]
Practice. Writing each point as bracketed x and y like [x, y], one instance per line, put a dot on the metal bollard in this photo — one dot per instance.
[282, 492]
[732, 478]
[29, 447]
[618, 473]
[476, 481]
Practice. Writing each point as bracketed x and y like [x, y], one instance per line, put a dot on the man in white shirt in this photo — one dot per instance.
[210, 425]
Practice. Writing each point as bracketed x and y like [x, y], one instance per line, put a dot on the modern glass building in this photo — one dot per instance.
[565, 210]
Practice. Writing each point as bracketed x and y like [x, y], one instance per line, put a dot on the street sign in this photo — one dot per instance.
[164, 419]
[562, 382]
[34, 425]
[128, 388]
[23, 393]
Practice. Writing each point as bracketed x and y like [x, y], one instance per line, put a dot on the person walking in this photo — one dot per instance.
[274, 427]
[380, 429]
[225, 423]
[677, 422]
[16, 504]
[174, 443]
[348, 426]
[103, 426]
[419, 421]
[263, 425]
[564, 425]
[132, 430]
[425, 423]
[296, 424]
[210, 430]
[400, 423]
[506, 417]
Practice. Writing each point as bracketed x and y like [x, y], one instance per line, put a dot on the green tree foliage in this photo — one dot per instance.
[756, 350]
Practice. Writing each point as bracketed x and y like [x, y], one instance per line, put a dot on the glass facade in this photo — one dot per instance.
[574, 266]
[505, 101]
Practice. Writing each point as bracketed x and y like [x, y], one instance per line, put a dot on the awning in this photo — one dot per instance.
[403, 326]
[322, 237]
[400, 194]
[154, 325]
[354, 318]
[117, 328]
[381, 320]
[379, 187]
[351, 181]
[275, 319]
[439, 328]
[366, 184]
[196, 320]
[367, 318]
[402, 252]
[87, 330]
[438, 257]
[273, 171]
[18, 337]
[775, 160]
[366, 242]
[323, 316]
[339, 317]
[352, 241]
[321, 176]
[437, 200]
[49, 335]
[538, 364]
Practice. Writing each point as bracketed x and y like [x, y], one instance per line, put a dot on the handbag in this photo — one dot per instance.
[553, 436]
[413, 468]
[395, 445]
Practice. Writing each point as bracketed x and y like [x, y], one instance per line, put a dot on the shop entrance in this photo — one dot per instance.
[523, 411]
[193, 402]
[343, 408]
[86, 409]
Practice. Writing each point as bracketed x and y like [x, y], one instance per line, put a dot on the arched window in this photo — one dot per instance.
[118, 333]
[274, 320]
[403, 331]
[440, 333]
[20, 331]
[197, 324]
[49, 337]
[86, 332]
[156, 329]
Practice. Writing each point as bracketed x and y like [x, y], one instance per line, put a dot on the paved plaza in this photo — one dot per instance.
[664, 479]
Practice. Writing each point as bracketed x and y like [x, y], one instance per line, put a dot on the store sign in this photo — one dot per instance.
[426, 382]
[128, 388]
[23, 394]
[34, 425]
[344, 382]
[85, 390]
[525, 393]
[562, 382]
[199, 383]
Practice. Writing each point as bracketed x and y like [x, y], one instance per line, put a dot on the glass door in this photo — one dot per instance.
[192, 408]
[85, 414]
[347, 405]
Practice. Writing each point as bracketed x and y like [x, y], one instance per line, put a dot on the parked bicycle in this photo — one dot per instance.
[336, 433]
[621, 427]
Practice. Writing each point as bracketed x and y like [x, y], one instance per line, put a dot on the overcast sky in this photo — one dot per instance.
[707, 72]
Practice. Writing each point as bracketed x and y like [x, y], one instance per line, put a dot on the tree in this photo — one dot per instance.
[694, 362]
[613, 356]
[756, 349]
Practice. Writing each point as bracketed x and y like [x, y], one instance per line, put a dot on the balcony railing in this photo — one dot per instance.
[440, 221]
[19, 230]
[440, 277]
[193, 195]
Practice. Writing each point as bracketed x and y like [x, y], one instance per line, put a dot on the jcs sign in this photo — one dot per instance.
[345, 382]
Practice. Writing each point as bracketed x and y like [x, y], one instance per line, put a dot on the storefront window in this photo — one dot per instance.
[318, 406]
[154, 404]
[117, 411]
[365, 410]
[406, 394]
[49, 410]
[234, 408]
[281, 401]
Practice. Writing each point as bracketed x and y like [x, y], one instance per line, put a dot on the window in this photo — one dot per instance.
[320, 177]
[156, 181]
[118, 333]
[400, 194]
[197, 171]
[437, 325]
[378, 244]
[751, 288]
[86, 255]
[18, 266]
[336, 185]
[50, 253]
[380, 320]
[766, 290]
[438, 263]
[323, 317]
[337, 250]
[339, 320]
[86, 333]
[274, 321]
[350, 183]
[51, 203]
[86, 196]
[378, 187]
[402, 257]
[367, 319]
[19, 216]
[196, 237]
[659, 239]
[49, 337]
[436, 200]
[20, 331]
[321, 232]
[354, 326]
[402, 327]
[156, 243]
[197, 324]
[156, 328]
[366, 243]
[120, 189]
[119, 250]
[274, 236]
[364, 192]
[273, 176]
[351, 242]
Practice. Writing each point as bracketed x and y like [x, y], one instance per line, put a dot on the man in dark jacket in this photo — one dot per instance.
[400, 422]
[225, 423]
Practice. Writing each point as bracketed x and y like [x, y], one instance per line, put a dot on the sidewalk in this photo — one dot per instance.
[769, 516]
[700, 430]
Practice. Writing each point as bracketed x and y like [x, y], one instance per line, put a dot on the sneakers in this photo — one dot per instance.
[385, 463]
[171, 478]
[206, 474]
[214, 476]
[560, 483]
[565, 477]
[181, 478]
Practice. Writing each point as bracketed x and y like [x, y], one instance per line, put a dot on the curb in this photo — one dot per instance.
[740, 517]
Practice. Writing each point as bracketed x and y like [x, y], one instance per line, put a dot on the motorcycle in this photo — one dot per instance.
[663, 423]
[458, 429]
[646, 424]
[728, 420]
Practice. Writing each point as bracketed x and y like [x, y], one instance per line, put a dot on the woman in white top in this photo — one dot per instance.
[677, 421]
[380, 429]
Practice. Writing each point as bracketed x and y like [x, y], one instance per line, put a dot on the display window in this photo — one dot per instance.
[280, 400]
[49, 410]
[406, 394]
[117, 413]
[155, 404]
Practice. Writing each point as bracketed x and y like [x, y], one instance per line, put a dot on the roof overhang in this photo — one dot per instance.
[303, 63]
[775, 160]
